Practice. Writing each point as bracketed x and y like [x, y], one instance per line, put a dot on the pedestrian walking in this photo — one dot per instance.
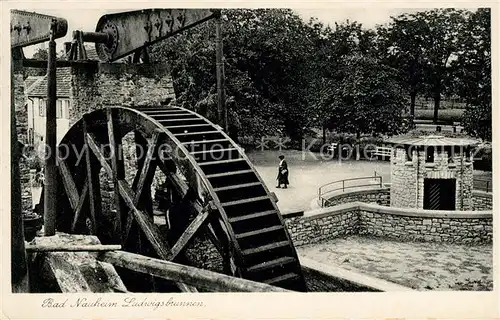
[282, 173]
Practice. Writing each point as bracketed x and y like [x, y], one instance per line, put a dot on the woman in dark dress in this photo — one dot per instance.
[283, 173]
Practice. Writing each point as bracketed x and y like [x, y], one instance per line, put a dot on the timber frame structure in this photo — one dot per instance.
[215, 188]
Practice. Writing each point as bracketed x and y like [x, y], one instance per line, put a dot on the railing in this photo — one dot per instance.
[483, 184]
[372, 181]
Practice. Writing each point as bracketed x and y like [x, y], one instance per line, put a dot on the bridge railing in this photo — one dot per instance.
[327, 190]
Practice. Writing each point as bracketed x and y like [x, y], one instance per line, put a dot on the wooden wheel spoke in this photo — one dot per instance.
[76, 201]
[128, 226]
[93, 183]
[188, 234]
[148, 167]
[118, 170]
[79, 206]
[99, 155]
[145, 222]
[69, 184]
[150, 230]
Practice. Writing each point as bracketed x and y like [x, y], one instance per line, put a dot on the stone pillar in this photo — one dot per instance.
[22, 134]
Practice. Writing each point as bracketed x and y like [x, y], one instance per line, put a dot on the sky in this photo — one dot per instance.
[86, 19]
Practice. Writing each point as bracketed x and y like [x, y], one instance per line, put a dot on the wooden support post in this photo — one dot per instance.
[118, 172]
[199, 278]
[189, 233]
[50, 194]
[151, 231]
[94, 191]
[79, 206]
[221, 96]
[71, 248]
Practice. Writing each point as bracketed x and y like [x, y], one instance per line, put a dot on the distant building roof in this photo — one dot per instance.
[38, 86]
[31, 81]
[439, 141]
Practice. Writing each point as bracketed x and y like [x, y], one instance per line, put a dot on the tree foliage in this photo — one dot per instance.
[284, 75]
[367, 99]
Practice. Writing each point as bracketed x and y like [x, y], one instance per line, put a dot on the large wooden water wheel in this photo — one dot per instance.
[213, 187]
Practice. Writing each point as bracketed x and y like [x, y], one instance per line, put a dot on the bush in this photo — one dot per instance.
[483, 159]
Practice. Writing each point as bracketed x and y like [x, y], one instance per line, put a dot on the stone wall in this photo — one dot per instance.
[317, 281]
[426, 225]
[322, 277]
[408, 175]
[322, 226]
[118, 84]
[21, 113]
[378, 196]
[397, 223]
[482, 200]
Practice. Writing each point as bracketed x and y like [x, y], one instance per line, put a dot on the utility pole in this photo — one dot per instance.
[221, 96]
[49, 219]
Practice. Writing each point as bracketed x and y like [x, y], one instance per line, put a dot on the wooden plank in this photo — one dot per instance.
[69, 184]
[102, 160]
[188, 234]
[79, 206]
[214, 231]
[150, 230]
[147, 225]
[93, 185]
[118, 172]
[69, 247]
[192, 276]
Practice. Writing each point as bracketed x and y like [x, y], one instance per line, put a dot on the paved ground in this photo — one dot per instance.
[421, 265]
[308, 171]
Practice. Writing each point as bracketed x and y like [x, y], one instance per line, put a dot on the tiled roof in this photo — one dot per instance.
[63, 84]
[31, 81]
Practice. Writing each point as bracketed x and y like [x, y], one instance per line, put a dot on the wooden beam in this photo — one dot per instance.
[116, 166]
[188, 234]
[102, 160]
[93, 183]
[69, 247]
[69, 184]
[192, 276]
[79, 206]
[149, 229]
[148, 169]
[147, 225]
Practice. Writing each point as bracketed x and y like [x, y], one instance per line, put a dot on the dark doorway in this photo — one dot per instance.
[439, 194]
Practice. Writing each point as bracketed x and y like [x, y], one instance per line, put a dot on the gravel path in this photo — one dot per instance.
[419, 265]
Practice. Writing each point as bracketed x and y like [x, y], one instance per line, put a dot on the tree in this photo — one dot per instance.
[367, 99]
[399, 47]
[41, 54]
[423, 45]
[473, 81]
[266, 67]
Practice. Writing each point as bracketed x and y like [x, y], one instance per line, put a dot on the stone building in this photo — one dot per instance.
[88, 86]
[432, 172]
